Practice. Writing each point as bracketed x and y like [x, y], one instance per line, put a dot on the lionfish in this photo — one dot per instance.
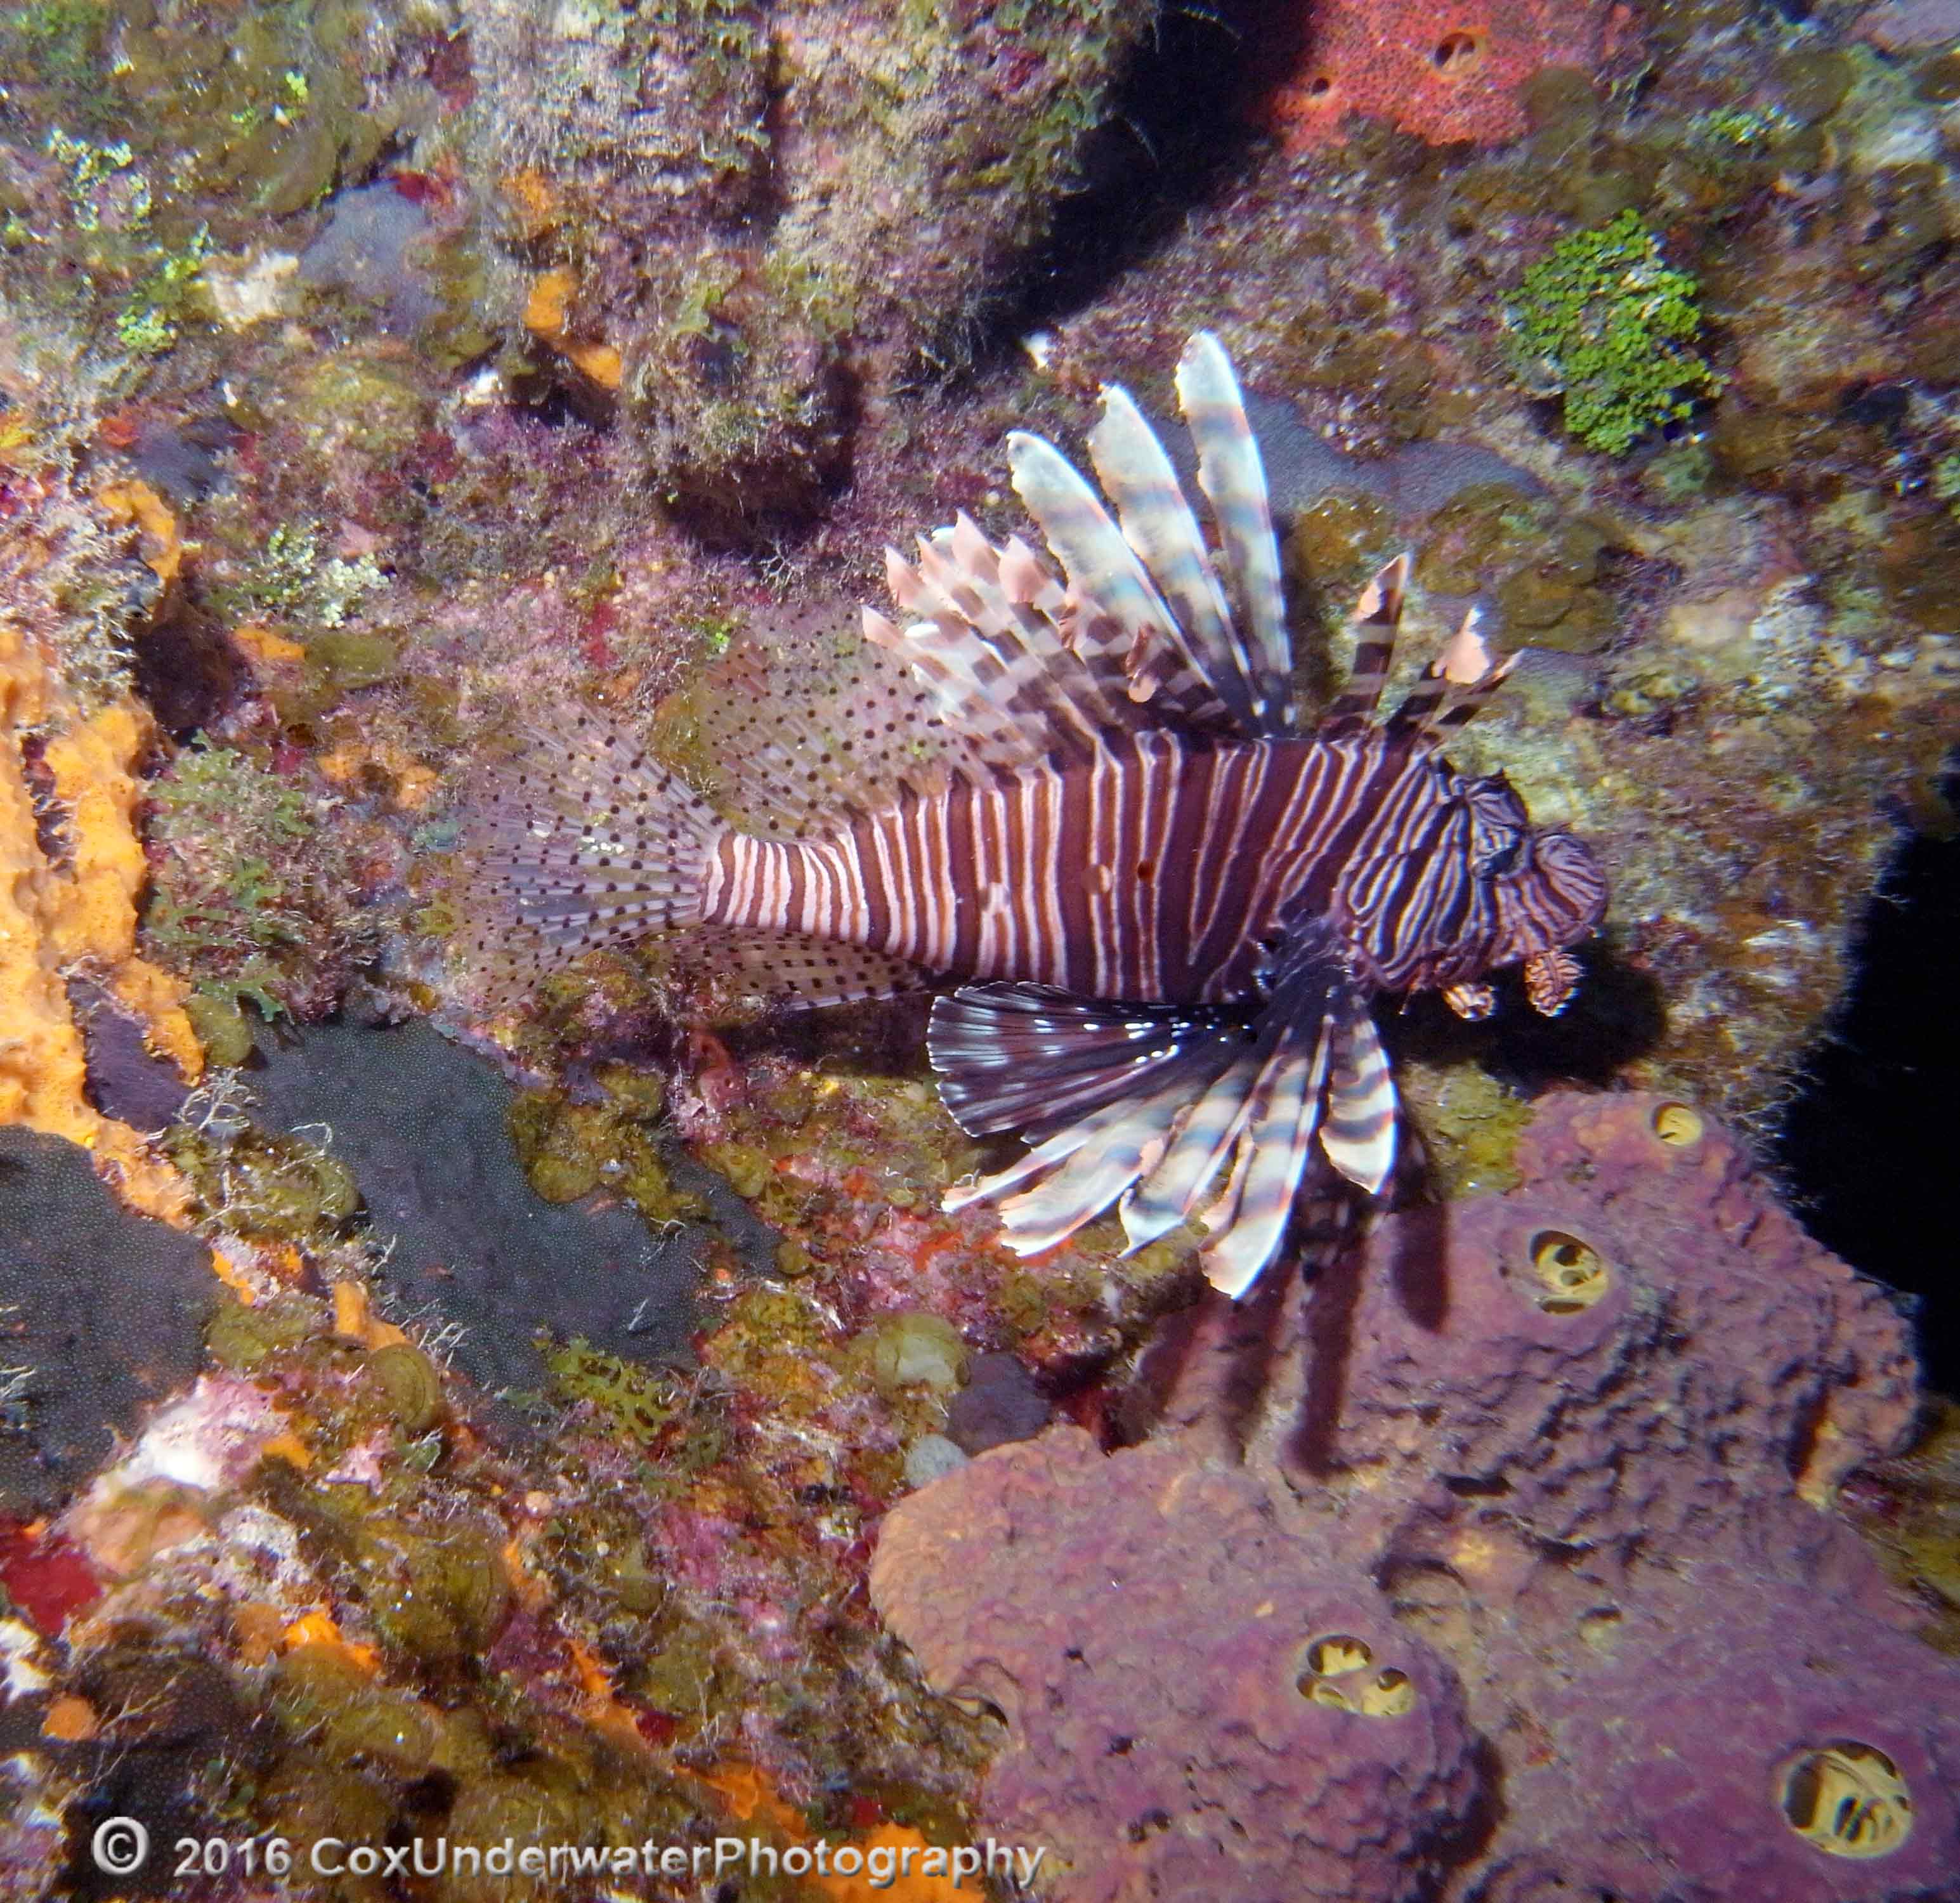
[1168, 907]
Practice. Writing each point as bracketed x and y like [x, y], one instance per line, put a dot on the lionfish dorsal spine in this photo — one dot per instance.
[1232, 477]
[1376, 619]
[1156, 521]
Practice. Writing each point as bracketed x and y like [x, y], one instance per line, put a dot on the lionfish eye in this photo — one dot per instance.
[1501, 859]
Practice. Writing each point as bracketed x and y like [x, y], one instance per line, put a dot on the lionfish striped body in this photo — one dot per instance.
[1168, 910]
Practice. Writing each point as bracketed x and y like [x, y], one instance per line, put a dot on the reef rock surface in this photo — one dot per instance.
[1515, 1569]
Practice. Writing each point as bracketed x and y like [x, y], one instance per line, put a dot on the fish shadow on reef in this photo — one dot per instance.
[1618, 1015]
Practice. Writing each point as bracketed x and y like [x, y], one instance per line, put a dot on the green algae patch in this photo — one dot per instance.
[1470, 1125]
[634, 1401]
[1605, 321]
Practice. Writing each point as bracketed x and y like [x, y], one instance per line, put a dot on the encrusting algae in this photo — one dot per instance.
[68, 901]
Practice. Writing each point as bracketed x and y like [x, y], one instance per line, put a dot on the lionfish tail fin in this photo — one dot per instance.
[581, 839]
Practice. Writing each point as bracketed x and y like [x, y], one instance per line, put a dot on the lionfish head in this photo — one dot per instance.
[1527, 893]
[1551, 895]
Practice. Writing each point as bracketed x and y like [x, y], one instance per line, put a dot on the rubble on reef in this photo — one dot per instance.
[1480, 1524]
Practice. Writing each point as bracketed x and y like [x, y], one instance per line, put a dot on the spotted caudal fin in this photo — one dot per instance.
[581, 839]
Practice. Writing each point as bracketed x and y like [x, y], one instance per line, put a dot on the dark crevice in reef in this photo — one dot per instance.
[1868, 1144]
[1176, 129]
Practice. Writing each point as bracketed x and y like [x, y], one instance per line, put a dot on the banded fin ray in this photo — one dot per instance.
[1113, 616]
[992, 651]
[1359, 1135]
[1230, 473]
[1101, 1169]
[1210, 1126]
[1206, 673]
[1028, 1057]
[1455, 685]
[1377, 618]
[1278, 1141]
[1143, 1106]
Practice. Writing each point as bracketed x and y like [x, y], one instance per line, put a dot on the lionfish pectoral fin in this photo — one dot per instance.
[1276, 1147]
[1359, 1135]
[1030, 1058]
[1103, 1166]
[1168, 1190]
[1097, 1086]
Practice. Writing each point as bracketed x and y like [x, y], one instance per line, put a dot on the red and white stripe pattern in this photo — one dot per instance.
[1169, 907]
[1158, 868]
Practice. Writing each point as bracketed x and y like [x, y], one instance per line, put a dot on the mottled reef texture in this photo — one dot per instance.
[371, 376]
[1416, 1568]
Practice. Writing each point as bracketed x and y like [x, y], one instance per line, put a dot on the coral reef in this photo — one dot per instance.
[1439, 71]
[753, 221]
[370, 377]
[72, 864]
[250, 898]
[1536, 1470]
